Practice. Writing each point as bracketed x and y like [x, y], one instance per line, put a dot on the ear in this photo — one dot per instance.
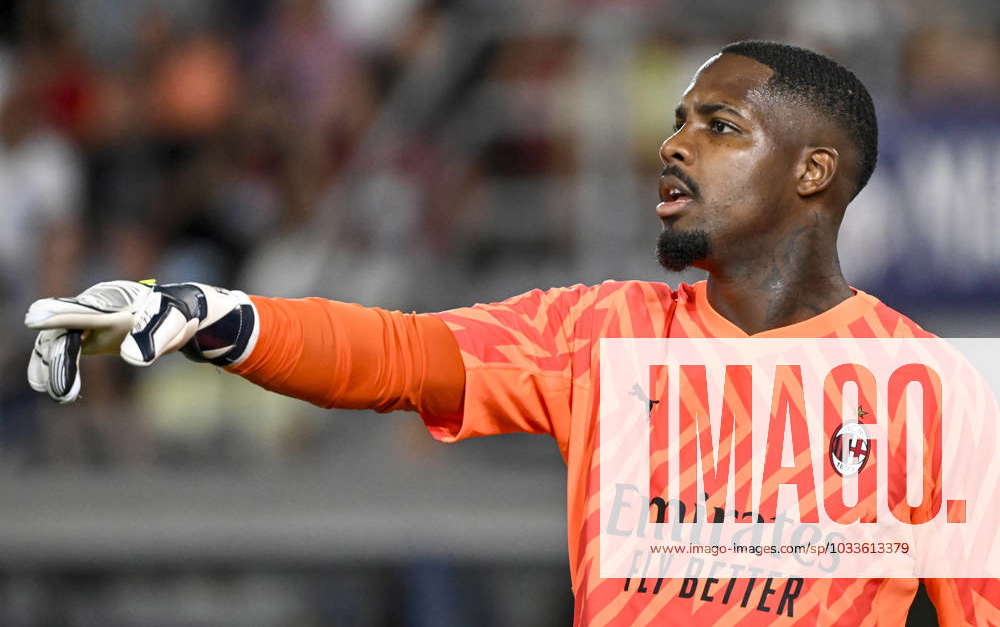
[816, 170]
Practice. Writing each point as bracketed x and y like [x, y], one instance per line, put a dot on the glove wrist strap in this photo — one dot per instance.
[226, 341]
[246, 336]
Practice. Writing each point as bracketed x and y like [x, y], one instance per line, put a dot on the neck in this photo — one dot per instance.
[792, 280]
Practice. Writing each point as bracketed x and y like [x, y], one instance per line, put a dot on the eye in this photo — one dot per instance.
[721, 127]
[678, 124]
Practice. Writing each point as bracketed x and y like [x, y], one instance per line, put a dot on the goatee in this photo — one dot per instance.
[676, 250]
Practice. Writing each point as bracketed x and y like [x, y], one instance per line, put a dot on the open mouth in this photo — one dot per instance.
[673, 198]
[673, 189]
[674, 194]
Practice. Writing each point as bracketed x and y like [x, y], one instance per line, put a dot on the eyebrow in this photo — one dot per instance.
[706, 109]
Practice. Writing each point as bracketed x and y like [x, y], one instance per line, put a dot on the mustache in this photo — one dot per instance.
[672, 170]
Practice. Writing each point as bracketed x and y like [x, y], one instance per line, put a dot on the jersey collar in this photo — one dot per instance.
[837, 317]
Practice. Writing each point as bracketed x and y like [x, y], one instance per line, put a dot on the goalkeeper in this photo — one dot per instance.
[770, 145]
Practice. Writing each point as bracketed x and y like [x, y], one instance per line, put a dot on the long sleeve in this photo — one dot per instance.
[336, 354]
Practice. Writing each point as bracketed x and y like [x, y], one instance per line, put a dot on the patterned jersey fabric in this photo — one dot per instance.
[532, 366]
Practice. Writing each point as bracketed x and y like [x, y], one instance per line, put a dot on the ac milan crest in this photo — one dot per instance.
[850, 448]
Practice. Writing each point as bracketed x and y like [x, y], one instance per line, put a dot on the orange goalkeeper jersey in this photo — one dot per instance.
[532, 366]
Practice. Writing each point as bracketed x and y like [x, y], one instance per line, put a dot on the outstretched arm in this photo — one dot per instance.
[344, 355]
[329, 353]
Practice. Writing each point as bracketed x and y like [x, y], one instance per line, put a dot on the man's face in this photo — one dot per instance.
[727, 169]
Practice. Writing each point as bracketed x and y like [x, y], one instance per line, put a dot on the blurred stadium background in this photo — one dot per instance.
[410, 154]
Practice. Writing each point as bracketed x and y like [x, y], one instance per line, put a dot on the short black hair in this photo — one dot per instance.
[827, 87]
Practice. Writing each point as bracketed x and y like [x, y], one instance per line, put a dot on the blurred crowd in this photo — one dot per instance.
[416, 154]
[412, 154]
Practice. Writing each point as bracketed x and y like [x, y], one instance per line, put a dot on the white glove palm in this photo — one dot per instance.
[141, 323]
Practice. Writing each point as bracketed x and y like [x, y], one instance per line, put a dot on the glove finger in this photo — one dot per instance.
[160, 328]
[38, 365]
[99, 306]
[68, 313]
[64, 366]
[54, 366]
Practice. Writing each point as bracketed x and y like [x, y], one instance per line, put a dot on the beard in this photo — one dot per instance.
[676, 250]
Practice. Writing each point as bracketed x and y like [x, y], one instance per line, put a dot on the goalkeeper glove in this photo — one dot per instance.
[140, 322]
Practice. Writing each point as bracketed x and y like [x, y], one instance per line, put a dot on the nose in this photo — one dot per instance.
[674, 149]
